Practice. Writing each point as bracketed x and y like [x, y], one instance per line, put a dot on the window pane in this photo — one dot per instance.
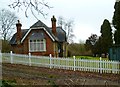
[38, 40]
[37, 45]
[31, 46]
[34, 46]
[42, 46]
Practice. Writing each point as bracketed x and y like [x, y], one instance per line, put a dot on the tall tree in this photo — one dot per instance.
[67, 25]
[116, 22]
[106, 36]
[7, 23]
[32, 5]
[90, 43]
[98, 46]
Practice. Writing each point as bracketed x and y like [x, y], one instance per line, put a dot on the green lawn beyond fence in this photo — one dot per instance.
[75, 63]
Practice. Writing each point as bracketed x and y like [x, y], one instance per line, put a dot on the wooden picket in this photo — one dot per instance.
[100, 66]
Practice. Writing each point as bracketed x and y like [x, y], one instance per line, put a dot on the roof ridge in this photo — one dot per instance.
[38, 22]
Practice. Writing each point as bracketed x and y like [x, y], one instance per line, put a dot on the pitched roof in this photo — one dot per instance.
[13, 39]
[61, 34]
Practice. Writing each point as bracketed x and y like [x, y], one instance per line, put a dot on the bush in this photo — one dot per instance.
[5, 46]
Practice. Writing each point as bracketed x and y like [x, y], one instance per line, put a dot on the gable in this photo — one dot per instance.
[37, 35]
[61, 35]
[39, 24]
[54, 39]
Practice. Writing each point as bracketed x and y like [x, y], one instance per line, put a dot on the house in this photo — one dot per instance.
[40, 39]
[114, 53]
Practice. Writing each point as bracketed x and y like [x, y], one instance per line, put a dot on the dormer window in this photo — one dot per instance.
[37, 42]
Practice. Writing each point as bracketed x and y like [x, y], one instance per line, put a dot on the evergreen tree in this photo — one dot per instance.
[106, 36]
[90, 43]
[116, 22]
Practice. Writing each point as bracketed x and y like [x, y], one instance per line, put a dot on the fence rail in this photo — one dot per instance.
[101, 66]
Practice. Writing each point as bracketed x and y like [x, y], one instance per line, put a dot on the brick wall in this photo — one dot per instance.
[24, 47]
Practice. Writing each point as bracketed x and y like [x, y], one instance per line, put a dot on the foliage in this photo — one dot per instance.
[5, 46]
[7, 23]
[116, 22]
[8, 83]
[76, 49]
[67, 25]
[90, 58]
[90, 43]
[98, 50]
[99, 45]
[33, 5]
[106, 36]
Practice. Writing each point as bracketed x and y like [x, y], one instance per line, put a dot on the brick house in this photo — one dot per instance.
[40, 40]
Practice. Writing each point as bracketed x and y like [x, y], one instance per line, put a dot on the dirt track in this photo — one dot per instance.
[26, 75]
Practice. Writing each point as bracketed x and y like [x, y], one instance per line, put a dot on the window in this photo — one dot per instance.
[37, 45]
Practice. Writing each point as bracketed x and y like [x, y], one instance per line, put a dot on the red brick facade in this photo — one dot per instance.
[20, 42]
[24, 47]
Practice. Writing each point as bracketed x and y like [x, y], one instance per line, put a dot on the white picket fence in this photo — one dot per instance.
[100, 66]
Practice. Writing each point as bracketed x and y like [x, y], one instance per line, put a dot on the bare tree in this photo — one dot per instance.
[69, 30]
[67, 25]
[33, 5]
[7, 23]
[61, 21]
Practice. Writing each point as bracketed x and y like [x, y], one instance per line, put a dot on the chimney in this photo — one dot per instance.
[53, 20]
[19, 34]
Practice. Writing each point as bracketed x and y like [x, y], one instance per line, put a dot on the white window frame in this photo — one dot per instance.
[36, 46]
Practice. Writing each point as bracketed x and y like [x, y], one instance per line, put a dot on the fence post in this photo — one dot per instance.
[74, 62]
[29, 59]
[50, 61]
[11, 57]
[100, 65]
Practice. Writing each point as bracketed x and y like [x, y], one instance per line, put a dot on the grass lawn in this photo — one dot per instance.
[91, 58]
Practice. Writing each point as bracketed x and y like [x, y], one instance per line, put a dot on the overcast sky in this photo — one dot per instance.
[88, 15]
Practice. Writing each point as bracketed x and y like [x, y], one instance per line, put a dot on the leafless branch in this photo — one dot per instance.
[68, 27]
[7, 22]
[36, 5]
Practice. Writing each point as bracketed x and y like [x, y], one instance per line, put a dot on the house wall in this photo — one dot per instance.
[24, 47]
[17, 49]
